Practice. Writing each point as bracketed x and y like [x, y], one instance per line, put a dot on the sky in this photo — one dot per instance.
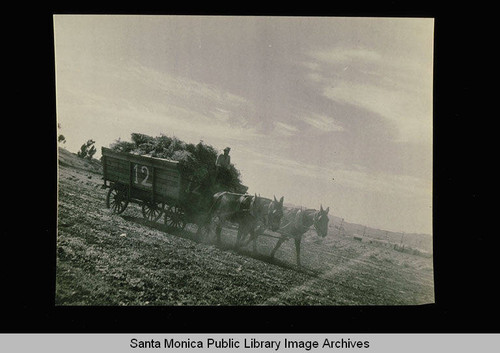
[325, 111]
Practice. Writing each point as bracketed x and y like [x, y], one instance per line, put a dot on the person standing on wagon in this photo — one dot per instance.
[222, 165]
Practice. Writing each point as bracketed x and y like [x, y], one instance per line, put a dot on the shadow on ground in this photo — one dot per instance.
[226, 247]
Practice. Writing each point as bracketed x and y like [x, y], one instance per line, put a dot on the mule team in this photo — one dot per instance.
[254, 215]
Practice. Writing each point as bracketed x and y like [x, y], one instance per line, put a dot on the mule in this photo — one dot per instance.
[266, 214]
[249, 212]
[297, 221]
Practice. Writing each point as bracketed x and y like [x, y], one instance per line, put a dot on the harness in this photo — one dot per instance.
[242, 203]
[249, 204]
[299, 227]
[262, 217]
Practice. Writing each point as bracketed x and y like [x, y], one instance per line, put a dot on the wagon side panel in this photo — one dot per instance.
[167, 184]
[116, 170]
[145, 176]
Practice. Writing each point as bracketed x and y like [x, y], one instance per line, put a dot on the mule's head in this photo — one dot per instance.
[321, 221]
[275, 213]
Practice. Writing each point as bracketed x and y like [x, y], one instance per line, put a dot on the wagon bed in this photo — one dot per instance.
[157, 178]
[154, 183]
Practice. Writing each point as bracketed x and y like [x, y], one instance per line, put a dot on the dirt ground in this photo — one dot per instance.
[107, 259]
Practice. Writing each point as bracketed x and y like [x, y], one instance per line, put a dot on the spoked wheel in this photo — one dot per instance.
[152, 211]
[175, 218]
[117, 199]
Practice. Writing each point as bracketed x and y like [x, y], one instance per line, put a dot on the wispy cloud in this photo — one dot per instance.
[143, 98]
[322, 123]
[345, 56]
[284, 129]
[411, 116]
[353, 177]
[398, 89]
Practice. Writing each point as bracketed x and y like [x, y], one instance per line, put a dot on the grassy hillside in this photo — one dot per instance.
[69, 159]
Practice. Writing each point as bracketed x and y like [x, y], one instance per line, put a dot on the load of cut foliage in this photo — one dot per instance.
[196, 162]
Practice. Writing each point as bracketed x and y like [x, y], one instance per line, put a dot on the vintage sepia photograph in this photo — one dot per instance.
[244, 160]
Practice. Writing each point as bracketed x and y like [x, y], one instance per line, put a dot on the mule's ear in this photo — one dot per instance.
[327, 209]
[275, 198]
[321, 208]
[282, 199]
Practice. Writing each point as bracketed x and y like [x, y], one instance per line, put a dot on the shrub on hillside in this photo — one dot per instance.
[87, 150]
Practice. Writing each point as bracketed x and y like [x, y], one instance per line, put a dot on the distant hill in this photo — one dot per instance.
[414, 240]
[69, 159]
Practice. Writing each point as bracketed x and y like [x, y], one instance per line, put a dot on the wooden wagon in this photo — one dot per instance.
[155, 183]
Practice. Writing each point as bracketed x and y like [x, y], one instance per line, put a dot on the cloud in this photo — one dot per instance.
[397, 88]
[402, 186]
[322, 123]
[344, 56]
[140, 97]
[411, 115]
[285, 129]
[353, 177]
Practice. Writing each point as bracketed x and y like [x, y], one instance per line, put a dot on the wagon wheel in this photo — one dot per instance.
[117, 199]
[175, 218]
[152, 211]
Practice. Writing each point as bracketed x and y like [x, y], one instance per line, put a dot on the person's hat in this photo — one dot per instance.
[227, 149]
